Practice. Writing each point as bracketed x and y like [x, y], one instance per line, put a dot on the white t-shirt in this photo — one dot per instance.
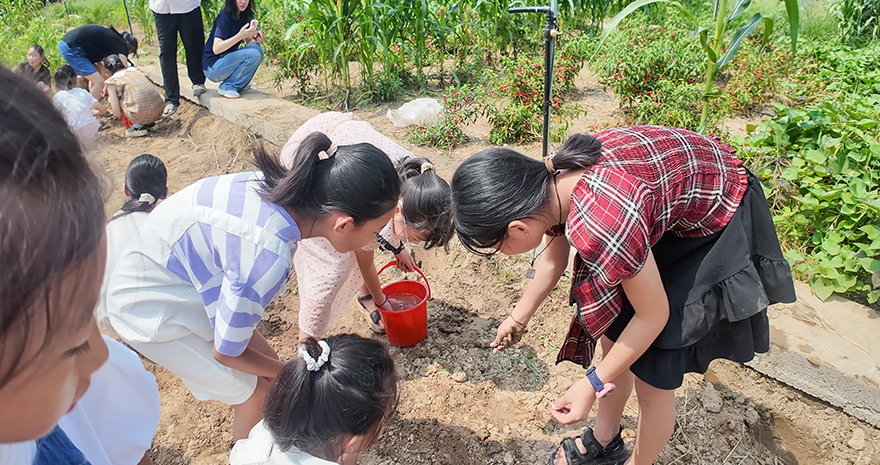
[259, 449]
[120, 229]
[76, 107]
[174, 6]
[115, 420]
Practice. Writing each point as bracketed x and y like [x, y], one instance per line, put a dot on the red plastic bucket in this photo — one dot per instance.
[407, 326]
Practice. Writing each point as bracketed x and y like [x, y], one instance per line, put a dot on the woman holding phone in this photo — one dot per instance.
[225, 60]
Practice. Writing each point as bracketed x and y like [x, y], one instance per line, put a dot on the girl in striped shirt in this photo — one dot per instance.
[189, 291]
[677, 261]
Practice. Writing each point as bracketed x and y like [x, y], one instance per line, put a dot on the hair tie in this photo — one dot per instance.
[145, 197]
[426, 166]
[313, 364]
[548, 162]
[325, 154]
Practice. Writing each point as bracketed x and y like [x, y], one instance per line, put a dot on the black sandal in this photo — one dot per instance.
[375, 316]
[612, 454]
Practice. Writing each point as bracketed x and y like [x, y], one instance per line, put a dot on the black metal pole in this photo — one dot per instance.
[128, 15]
[550, 34]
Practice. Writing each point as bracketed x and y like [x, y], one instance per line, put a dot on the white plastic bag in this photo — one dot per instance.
[421, 111]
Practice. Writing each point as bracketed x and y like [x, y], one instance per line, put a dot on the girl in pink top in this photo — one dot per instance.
[327, 279]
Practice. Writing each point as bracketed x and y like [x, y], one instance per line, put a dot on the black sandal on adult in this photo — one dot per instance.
[374, 316]
[612, 454]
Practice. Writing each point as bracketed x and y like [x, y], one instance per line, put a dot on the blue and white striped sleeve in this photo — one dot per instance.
[251, 281]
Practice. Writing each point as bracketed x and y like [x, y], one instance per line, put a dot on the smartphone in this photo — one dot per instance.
[254, 23]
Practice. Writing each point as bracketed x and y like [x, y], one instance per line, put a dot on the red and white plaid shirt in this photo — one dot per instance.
[650, 180]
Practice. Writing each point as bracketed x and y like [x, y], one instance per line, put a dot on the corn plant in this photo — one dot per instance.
[140, 10]
[858, 20]
[338, 33]
[716, 56]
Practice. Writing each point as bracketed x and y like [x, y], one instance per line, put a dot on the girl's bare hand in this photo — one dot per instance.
[386, 305]
[509, 333]
[248, 32]
[405, 261]
[575, 404]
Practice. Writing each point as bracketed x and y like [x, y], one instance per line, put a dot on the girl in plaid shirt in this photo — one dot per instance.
[677, 261]
[132, 96]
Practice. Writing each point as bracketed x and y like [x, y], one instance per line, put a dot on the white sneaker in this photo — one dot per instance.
[199, 89]
[228, 93]
[136, 131]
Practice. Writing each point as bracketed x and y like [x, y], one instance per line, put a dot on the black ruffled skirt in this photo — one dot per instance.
[719, 288]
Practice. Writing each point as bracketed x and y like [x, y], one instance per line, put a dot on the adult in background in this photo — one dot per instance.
[83, 46]
[183, 17]
[224, 61]
[34, 69]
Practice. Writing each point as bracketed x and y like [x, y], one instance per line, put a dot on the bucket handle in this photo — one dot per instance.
[394, 262]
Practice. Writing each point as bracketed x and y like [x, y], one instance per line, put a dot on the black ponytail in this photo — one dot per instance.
[65, 77]
[427, 201]
[497, 186]
[358, 180]
[113, 63]
[146, 174]
[130, 41]
[352, 394]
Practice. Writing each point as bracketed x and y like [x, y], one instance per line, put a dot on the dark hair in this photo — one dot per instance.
[145, 174]
[51, 218]
[427, 201]
[351, 394]
[129, 39]
[113, 63]
[39, 49]
[499, 185]
[359, 180]
[65, 77]
[231, 10]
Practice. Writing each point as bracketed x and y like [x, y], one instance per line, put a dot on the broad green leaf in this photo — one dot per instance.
[768, 31]
[821, 289]
[845, 283]
[637, 5]
[828, 142]
[790, 173]
[737, 38]
[817, 156]
[791, 6]
[704, 38]
[738, 9]
[794, 256]
[871, 265]
[872, 231]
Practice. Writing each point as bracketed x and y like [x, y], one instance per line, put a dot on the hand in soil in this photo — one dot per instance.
[509, 333]
[575, 404]
[405, 261]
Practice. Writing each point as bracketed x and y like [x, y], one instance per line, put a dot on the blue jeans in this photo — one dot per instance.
[236, 69]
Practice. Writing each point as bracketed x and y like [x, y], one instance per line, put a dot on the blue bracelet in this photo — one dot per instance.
[602, 389]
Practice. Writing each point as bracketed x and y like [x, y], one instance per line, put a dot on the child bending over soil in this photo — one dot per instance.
[677, 261]
[132, 96]
[326, 407]
[190, 289]
[328, 280]
[77, 106]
